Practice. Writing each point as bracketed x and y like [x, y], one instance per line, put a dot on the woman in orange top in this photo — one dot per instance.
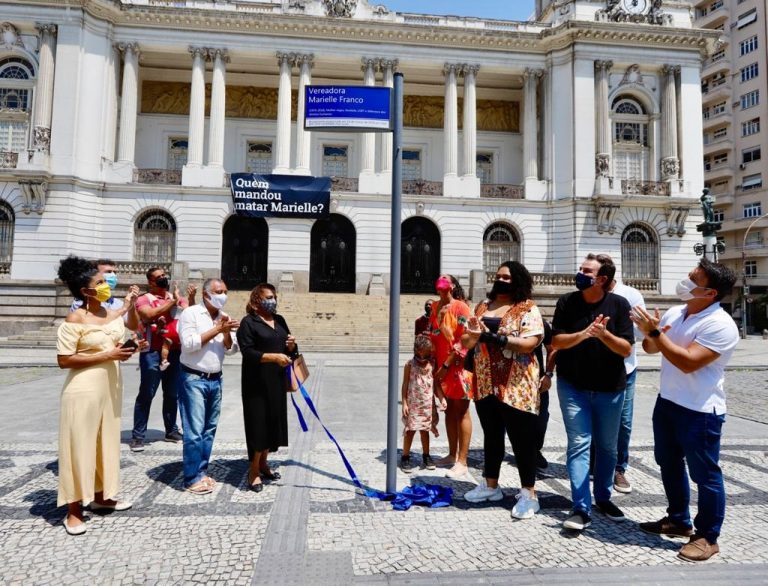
[447, 322]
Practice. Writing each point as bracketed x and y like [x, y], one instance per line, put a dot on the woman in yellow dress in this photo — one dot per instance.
[90, 344]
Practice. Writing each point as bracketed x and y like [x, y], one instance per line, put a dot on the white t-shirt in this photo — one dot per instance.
[714, 329]
[635, 298]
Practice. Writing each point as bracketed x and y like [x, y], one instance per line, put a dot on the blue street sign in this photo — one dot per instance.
[347, 108]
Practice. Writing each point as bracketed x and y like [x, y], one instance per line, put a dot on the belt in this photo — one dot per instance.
[201, 374]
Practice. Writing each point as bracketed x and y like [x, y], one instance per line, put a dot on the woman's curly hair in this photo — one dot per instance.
[77, 273]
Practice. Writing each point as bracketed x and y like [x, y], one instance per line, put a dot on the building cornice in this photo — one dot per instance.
[310, 27]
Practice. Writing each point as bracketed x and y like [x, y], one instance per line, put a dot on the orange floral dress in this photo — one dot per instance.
[512, 377]
[446, 326]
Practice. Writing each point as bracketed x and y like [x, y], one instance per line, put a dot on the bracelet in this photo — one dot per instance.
[549, 373]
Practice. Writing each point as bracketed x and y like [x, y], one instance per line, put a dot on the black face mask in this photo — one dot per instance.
[502, 288]
[162, 283]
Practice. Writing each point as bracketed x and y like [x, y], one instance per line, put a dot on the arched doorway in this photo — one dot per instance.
[420, 256]
[245, 243]
[332, 255]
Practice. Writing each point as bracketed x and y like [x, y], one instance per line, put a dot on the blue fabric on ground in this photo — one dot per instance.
[430, 495]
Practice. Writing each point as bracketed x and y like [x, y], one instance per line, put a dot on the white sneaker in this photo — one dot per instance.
[483, 493]
[526, 506]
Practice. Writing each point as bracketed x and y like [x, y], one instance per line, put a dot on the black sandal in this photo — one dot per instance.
[271, 475]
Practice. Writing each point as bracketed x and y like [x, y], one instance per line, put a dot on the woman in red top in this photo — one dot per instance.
[447, 321]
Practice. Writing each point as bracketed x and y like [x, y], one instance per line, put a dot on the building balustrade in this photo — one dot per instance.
[8, 160]
[138, 268]
[634, 187]
[644, 285]
[348, 184]
[421, 187]
[157, 176]
[502, 191]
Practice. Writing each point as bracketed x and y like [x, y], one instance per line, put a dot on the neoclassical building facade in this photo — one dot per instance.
[579, 131]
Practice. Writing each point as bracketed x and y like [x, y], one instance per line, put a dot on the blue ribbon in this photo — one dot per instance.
[431, 495]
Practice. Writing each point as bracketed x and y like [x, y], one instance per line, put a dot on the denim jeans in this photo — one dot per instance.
[681, 435]
[625, 430]
[151, 377]
[200, 405]
[590, 415]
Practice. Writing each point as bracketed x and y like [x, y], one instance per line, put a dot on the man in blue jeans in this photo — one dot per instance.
[206, 335]
[155, 310]
[696, 341]
[592, 334]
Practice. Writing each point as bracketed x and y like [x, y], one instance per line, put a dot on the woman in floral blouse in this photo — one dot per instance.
[503, 335]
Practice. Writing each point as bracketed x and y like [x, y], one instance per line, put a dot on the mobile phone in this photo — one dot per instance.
[130, 344]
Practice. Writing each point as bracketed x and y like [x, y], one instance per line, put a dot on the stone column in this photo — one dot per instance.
[218, 108]
[197, 109]
[129, 96]
[305, 64]
[44, 90]
[670, 164]
[388, 68]
[450, 122]
[530, 124]
[368, 158]
[283, 139]
[470, 120]
[603, 120]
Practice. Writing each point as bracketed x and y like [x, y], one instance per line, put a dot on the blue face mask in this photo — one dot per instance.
[583, 281]
[269, 305]
[111, 280]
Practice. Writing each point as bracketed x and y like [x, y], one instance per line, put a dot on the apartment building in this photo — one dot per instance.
[734, 97]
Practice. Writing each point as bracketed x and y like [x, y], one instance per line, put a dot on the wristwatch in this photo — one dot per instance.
[549, 373]
[654, 333]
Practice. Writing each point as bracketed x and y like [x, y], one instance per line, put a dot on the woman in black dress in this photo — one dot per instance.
[267, 347]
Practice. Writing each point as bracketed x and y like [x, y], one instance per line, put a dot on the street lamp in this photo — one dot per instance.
[744, 286]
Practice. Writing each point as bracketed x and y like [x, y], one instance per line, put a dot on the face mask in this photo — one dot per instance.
[217, 300]
[162, 283]
[111, 279]
[269, 305]
[502, 288]
[684, 289]
[583, 281]
[103, 292]
[443, 284]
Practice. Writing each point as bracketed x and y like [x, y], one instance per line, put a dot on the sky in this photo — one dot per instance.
[502, 9]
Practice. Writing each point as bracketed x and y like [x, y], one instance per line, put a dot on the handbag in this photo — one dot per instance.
[296, 374]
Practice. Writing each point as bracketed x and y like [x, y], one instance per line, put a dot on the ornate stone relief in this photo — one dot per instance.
[340, 8]
[603, 165]
[606, 217]
[34, 190]
[42, 139]
[162, 97]
[670, 168]
[633, 76]
[676, 218]
[10, 36]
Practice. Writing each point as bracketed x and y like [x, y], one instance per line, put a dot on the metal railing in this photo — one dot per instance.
[634, 187]
[157, 176]
[502, 191]
[349, 184]
[421, 187]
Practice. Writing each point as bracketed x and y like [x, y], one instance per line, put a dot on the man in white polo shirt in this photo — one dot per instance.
[696, 341]
[206, 335]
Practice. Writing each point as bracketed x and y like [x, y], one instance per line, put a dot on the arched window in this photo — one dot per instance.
[500, 244]
[155, 237]
[16, 84]
[639, 257]
[631, 140]
[7, 220]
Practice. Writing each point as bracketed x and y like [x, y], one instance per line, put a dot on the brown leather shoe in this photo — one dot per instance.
[666, 527]
[698, 549]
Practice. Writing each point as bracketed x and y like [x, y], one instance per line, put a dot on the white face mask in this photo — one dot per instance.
[217, 300]
[684, 289]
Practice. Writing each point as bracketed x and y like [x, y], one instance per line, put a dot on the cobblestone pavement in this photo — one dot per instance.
[313, 526]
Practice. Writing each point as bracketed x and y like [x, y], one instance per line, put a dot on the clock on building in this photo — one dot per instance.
[636, 7]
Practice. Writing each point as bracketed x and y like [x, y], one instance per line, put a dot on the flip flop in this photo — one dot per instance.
[200, 488]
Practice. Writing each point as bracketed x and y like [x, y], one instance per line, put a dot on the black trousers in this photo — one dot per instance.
[496, 418]
[542, 419]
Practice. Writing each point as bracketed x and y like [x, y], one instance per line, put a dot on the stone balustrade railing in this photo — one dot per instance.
[135, 268]
[502, 191]
[421, 187]
[157, 176]
[633, 187]
[348, 184]
[645, 285]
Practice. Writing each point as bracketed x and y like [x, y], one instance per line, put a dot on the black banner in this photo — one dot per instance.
[280, 196]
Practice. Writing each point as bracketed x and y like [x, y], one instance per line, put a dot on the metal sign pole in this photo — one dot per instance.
[394, 285]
